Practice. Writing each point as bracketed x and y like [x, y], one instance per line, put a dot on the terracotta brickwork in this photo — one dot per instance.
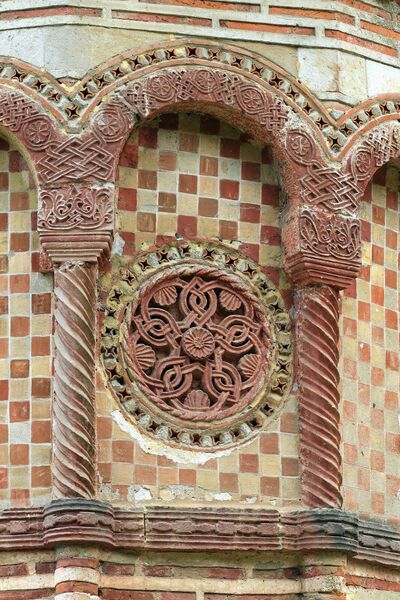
[26, 341]
[370, 359]
[197, 177]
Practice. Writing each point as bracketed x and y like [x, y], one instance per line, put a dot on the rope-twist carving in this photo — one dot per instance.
[317, 363]
[74, 383]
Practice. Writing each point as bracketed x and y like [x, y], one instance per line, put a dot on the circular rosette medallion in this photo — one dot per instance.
[192, 348]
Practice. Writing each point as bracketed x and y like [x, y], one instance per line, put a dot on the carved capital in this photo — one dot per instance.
[322, 248]
[75, 222]
[74, 381]
[317, 335]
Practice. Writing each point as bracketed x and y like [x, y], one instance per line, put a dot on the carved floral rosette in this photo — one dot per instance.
[196, 345]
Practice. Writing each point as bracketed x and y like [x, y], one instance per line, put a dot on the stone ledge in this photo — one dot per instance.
[187, 528]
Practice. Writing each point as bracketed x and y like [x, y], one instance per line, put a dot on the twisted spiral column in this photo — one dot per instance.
[317, 325]
[74, 381]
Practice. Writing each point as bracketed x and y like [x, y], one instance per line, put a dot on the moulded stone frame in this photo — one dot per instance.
[323, 194]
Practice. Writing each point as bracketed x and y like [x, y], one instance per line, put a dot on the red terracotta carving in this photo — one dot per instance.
[198, 345]
[317, 333]
[75, 208]
[73, 406]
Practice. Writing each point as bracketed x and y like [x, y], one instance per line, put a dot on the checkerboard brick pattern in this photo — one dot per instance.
[370, 360]
[196, 177]
[25, 341]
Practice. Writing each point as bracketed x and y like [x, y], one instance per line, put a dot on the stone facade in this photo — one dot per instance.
[199, 300]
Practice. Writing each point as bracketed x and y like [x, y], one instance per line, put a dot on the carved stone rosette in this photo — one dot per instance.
[317, 328]
[73, 407]
[196, 345]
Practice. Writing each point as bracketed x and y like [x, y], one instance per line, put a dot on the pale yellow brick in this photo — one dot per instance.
[227, 131]
[168, 139]
[208, 187]
[249, 232]
[20, 347]
[289, 444]
[250, 152]
[4, 460]
[209, 145]
[229, 464]
[41, 324]
[4, 369]
[20, 304]
[19, 221]
[270, 465]
[4, 160]
[392, 220]
[270, 216]
[290, 487]
[128, 178]
[122, 474]
[4, 202]
[20, 263]
[270, 256]
[378, 275]
[187, 204]
[41, 454]
[378, 235]
[230, 168]
[391, 258]
[167, 181]
[35, 241]
[269, 174]
[249, 484]
[366, 254]
[250, 192]
[189, 123]
[167, 224]
[147, 201]
[378, 195]
[228, 210]
[208, 228]
[378, 355]
[147, 159]
[378, 315]
[349, 308]
[19, 181]
[188, 163]
[19, 477]
[40, 366]
[207, 479]
[4, 326]
[127, 220]
[144, 240]
[41, 409]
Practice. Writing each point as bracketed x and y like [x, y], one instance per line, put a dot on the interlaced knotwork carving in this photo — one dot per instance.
[70, 207]
[196, 344]
[73, 407]
[330, 235]
[317, 325]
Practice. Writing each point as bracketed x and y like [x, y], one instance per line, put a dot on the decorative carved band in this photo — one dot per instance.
[185, 528]
[317, 326]
[74, 386]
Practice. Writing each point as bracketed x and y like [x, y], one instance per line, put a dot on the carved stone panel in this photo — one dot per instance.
[196, 345]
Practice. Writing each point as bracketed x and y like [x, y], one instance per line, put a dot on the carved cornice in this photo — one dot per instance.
[73, 105]
[201, 529]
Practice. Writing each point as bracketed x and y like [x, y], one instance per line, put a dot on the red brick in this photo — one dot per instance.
[20, 326]
[188, 142]
[19, 411]
[19, 368]
[290, 467]
[3, 222]
[187, 476]
[251, 171]
[352, 39]
[208, 207]
[41, 387]
[50, 11]
[3, 181]
[19, 284]
[229, 482]
[188, 184]
[146, 222]
[228, 230]
[145, 475]
[230, 148]
[187, 226]
[250, 213]
[41, 432]
[40, 346]
[270, 194]
[281, 29]
[209, 166]
[3, 433]
[3, 478]
[19, 200]
[157, 18]
[166, 202]
[311, 14]
[41, 476]
[129, 156]
[147, 179]
[127, 199]
[270, 486]
[3, 305]
[19, 454]
[148, 137]
[210, 4]
[248, 463]
[19, 242]
[41, 304]
[122, 451]
[167, 161]
[4, 389]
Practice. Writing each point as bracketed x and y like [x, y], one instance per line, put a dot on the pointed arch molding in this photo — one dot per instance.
[75, 136]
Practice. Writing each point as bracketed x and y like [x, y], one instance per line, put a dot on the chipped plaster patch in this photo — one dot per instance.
[139, 494]
[152, 446]
[118, 245]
